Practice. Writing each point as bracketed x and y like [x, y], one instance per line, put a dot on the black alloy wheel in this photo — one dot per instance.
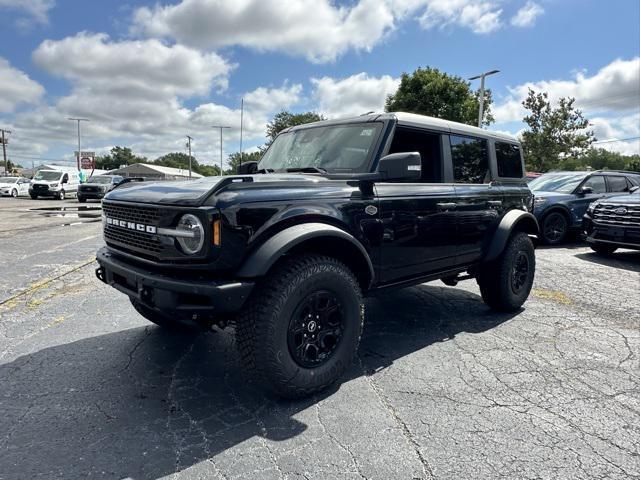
[316, 329]
[519, 272]
[554, 228]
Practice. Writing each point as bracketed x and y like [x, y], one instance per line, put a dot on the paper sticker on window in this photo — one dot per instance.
[367, 132]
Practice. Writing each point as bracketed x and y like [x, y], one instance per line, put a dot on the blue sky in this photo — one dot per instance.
[146, 74]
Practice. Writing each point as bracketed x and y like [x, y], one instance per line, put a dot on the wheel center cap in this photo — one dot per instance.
[312, 326]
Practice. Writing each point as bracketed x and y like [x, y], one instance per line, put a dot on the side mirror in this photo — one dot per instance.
[585, 190]
[401, 166]
[65, 179]
[247, 168]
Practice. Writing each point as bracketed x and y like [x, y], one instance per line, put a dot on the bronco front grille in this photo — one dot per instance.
[619, 215]
[143, 242]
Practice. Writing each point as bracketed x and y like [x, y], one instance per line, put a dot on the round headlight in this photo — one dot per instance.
[191, 243]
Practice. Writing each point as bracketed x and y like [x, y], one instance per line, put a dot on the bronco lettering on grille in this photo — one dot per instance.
[140, 227]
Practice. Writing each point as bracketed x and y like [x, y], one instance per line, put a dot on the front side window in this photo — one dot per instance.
[470, 157]
[618, 184]
[335, 148]
[509, 160]
[596, 183]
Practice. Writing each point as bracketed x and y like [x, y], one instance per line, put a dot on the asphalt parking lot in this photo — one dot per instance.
[442, 388]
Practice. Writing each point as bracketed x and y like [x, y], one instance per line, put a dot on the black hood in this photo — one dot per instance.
[194, 193]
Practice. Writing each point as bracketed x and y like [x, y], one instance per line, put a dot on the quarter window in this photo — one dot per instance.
[470, 157]
[509, 160]
[597, 184]
[617, 184]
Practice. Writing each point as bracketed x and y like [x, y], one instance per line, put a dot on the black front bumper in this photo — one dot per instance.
[619, 236]
[92, 195]
[168, 294]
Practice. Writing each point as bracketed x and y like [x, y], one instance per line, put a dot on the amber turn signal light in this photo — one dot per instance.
[216, 232]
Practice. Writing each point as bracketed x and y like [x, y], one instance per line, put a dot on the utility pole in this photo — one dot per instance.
[79, 151]
[189, 146]
[221, 127]
[241, 121]
[4, 150]
[481, 99]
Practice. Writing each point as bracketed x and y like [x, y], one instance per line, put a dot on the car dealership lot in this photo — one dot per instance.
[443, 387]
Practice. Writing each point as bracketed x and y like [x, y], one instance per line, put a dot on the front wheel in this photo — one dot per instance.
[603, 248]
[506, 282]
[82, 200]
[33, 197]
[61, 195]
[301, 329]
[554, 228]
[14, 193]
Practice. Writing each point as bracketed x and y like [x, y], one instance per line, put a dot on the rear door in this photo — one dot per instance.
[479, 203]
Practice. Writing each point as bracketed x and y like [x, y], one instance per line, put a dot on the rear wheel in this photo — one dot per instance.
[506, 282]
[603, 248]
[301, 329]
[554, 228]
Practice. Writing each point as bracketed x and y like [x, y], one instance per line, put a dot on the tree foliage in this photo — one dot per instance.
[181, 160]
[428, 91]
[119, 156]
[601, 159]
[286, 119]
[555, 134]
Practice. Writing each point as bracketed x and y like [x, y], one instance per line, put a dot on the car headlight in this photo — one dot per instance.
[53, 185]
[193, 239]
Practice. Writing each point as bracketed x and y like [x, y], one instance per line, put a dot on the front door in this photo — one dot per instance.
[419, 229]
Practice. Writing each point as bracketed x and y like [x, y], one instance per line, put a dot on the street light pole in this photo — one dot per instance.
[4, 151]
[189, 145]
[482, 76]
[79, 151]
[221, 127]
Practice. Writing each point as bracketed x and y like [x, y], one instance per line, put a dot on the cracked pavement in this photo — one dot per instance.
[442, 387]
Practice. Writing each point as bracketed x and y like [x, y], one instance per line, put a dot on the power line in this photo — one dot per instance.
[618, 140]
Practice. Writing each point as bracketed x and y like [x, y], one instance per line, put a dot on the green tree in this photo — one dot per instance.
[119, 156]
[601, 159]
[181, 160]
[234, 160]
[555, 134]
[428, 91]
[286, 119]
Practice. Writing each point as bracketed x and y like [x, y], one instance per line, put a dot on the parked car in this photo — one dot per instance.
[562, 198]
[334, 210]
[14, 186]
[613, 223]
[54, 183]
[98, 186]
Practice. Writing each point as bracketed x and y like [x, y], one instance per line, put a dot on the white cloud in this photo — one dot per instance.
[614, 88]
[480, 17]
[618, 128]
[132, 68]
[35, 10]
[354, 95]
[16, 87]
[315, 29]
[527, 15]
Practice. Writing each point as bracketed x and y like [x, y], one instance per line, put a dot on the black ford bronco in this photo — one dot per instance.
[334, 210]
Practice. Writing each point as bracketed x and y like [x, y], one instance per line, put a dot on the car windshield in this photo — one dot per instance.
[8, 179]
[557, 182]
[334, 148]
[99, 180]
[47, 175]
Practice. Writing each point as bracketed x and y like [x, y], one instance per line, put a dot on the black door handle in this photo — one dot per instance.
[446, 206]
[494, 203]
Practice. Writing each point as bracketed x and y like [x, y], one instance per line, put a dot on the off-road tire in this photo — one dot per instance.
[496, 279]
[603, 248]
[559, 220]
[164, 321]
[263, 326]
[14, 193]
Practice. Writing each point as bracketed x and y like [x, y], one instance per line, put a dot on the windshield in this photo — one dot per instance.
[335, 148]
[47, 175]
[8, 179]
[557, 182]
[99, 180]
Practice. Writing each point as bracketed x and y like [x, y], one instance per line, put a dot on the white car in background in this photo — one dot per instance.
[14, 186]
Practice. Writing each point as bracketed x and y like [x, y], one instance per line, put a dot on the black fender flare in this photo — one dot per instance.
[513, 219]
[264, 257]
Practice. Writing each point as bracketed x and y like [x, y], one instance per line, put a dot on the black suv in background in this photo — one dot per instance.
[613, 223]
[333, 211]
[562, 198]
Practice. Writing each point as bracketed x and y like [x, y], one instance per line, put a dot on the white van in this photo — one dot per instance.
[54, 183]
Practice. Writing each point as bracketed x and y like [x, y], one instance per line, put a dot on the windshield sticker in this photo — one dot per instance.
[367, 132]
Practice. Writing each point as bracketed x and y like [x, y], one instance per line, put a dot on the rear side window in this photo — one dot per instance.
[470, 157]
[618, 184]
[597, 184]
[509, 160]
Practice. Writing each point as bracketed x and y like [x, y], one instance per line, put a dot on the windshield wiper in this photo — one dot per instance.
[307, 170]
[265, 170]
